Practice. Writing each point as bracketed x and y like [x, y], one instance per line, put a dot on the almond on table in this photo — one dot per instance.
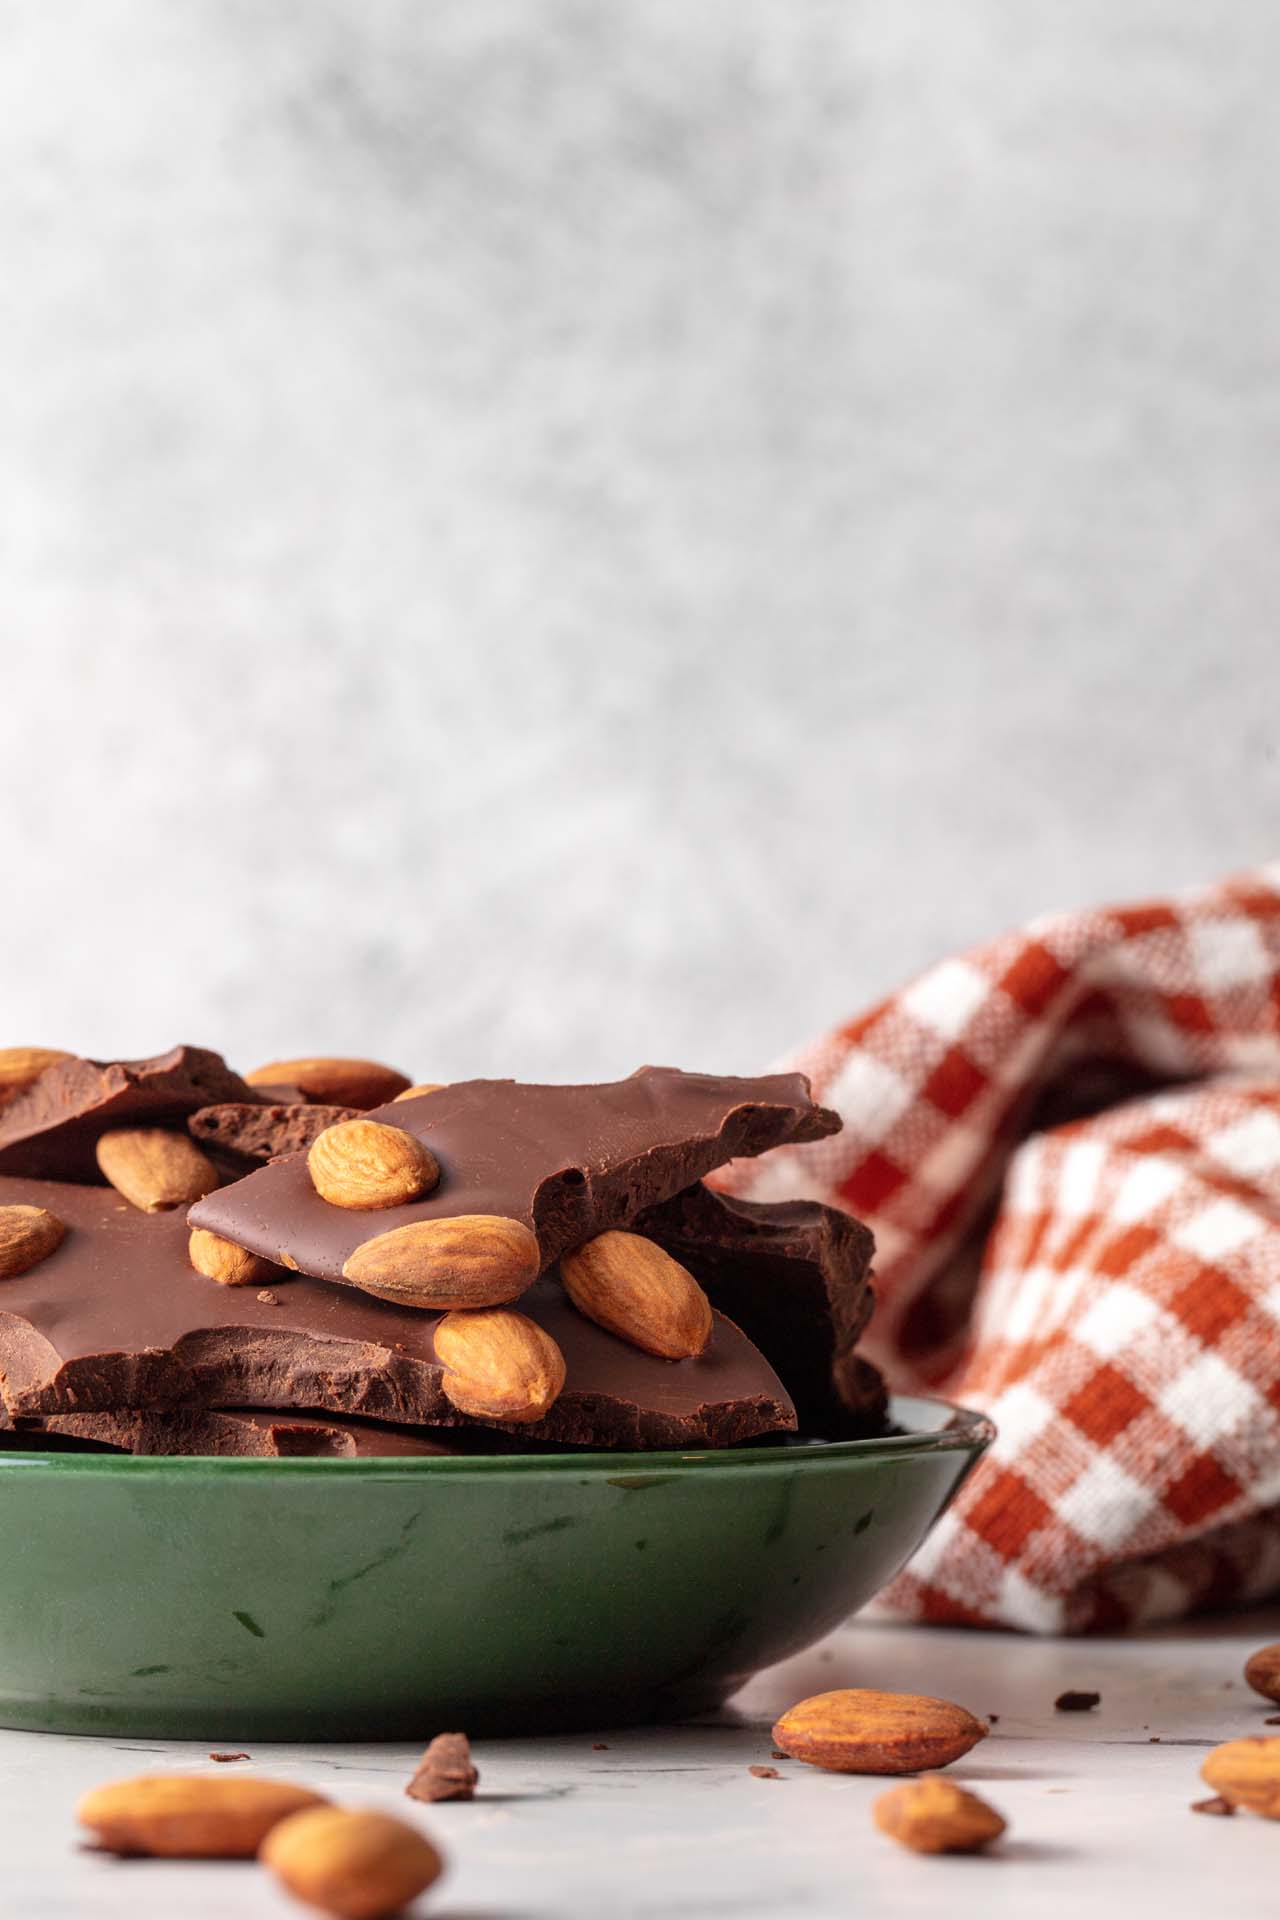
[1246, 1773]
[190, 1816]
[933, 1815]
[861, 1730]
[355, 1865]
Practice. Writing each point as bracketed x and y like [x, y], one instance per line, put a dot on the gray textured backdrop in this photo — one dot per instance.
[535, 535]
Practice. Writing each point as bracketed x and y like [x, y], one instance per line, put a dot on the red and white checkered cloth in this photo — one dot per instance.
[1067, 1144]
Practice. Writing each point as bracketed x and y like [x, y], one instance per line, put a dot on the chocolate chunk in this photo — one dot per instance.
[116, 1318]
[794, 1275]
[1075, 1701]
[224, 1757]
[445, 1771]
[245, 1134]
[1216, 1805]
[228, 1432]
[569, 1162]
[764, 1773]
[50, 1129]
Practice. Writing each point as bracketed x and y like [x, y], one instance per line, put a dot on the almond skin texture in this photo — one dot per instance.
[223, 1261]
[155, 1170]
[933, 1815]
[1262, 1671]
[333, 1082]
[471, 1260]
[858, 1730]
[633, 1287]
[27, 1236]
[366, 1164]
[190, 1816]
[358, 1866]
[425, 1086]
[1246, 1773]
[19, 1066]
[499, 1365]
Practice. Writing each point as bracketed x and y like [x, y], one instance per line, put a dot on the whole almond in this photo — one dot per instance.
[1262, 1671]
[27, 1236]
[1246, 1773]
[859, 1730]
[192, 1816]
[367, 1164]
[634, 1288]
[332, 1081]
[20, 1066]
[933, 1815]
[359, 1866]
[154, 1169]
[465, 1260]
[425, 1086]
[499, 1365]
[223, 1261]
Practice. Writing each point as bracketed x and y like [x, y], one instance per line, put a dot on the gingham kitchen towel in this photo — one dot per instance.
[1068, 1146]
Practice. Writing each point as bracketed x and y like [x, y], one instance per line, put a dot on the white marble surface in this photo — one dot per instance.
[667, 1821]
[541, 534]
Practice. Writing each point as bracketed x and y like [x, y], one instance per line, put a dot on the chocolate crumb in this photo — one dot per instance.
[599, 1746]
[1153, 1740]
[1074, 1701]
[228, 1756]
[1216, 1805]
[778, 1754]
[764, 1773]
[993, 1719]
[445, 1771]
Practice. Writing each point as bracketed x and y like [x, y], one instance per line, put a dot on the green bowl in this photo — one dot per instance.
[336, 1599]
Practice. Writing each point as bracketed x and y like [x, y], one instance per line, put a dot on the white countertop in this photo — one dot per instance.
[668, 1822]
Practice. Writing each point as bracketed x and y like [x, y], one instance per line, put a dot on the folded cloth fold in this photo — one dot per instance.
[1067, 1144]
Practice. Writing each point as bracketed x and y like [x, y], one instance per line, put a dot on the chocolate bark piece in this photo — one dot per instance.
[49, 1131]
[795, 1276]
[116, 1318]
[568, 1162]
[251, 1433]
[246, 1134]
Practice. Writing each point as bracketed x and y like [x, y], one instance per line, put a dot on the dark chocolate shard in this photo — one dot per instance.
[795, 1276]
[117, 1318]
[247, 1134]
[569, 1162]
[247, 1432]
[50, 1130]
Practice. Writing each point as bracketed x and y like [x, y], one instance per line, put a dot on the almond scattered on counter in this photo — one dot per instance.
[933, 1815]
[328, 1080]
[633, 1287]
[468, 1260]
[366, 1164]
[499, 1365]
[28, 1235]
[1075, 1701]
[1262, 1671]
[357, 1866]
[445, 1771]
[154, 1169]
[223, 1261]
[190, 1816]
[1247, 1773]
[20, 1066]
[860, 1730]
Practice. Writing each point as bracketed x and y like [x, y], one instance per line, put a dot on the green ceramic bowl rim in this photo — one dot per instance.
[953, 1429]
